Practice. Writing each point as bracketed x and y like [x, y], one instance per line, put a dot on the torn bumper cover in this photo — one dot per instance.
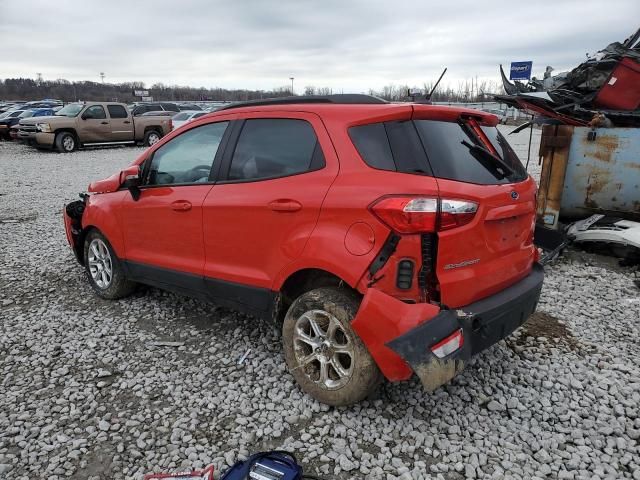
[483, 324]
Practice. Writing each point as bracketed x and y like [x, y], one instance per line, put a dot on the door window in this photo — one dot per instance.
[187, 158]
[278, 147]
[94, 112]
[117, 111]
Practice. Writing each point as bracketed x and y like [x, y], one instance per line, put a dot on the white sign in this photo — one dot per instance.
[147, 99]
[141, 93]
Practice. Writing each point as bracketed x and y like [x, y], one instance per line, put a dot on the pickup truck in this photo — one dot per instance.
[93, 123]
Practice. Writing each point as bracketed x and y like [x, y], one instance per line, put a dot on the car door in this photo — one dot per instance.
[120, 123]
[95, 125]
[274, 176]
[162, 229]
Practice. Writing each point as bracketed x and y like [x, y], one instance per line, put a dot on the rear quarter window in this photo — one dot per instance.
[393, 146]
[117, 111]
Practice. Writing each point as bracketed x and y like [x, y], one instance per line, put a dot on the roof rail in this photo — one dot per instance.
[343, 98]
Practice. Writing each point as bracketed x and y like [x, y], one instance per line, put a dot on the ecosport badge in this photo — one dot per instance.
[466, 263]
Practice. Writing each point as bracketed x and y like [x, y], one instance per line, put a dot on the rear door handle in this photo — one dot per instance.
[104, 123]
[285, 205]
[181, 206]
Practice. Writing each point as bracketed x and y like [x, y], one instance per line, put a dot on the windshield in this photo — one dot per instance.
[26, 114]
[71, 110]
[4, 115]
[181, 116]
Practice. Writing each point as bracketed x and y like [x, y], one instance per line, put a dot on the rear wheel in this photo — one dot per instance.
[151, 138]
[66, 142]
[104, 269]
[323, 353]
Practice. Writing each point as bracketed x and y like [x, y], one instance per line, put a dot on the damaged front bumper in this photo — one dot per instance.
[72, 215]
[483, 324]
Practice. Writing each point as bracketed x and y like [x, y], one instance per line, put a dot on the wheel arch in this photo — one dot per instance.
[304, 280]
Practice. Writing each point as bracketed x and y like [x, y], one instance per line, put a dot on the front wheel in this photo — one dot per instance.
[322, 351]
[151, 138]
[104, 269]
[66, 142]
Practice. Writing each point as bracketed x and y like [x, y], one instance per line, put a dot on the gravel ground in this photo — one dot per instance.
[87, 395]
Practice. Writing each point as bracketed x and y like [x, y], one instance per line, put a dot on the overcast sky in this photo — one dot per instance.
[349, 45]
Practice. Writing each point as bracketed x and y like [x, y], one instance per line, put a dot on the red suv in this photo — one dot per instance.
[386, 239]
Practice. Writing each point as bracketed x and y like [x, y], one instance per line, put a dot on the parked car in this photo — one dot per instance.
[384, 239]
[25, 129]
[31, 113]
[138, 109]
[12, 118]
[187, 116]
[96, 123]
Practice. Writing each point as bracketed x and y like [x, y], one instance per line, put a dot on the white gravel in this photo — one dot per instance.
[85, 394]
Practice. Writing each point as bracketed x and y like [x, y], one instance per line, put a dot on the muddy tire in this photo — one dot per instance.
[104, 269]
[151, 138]
[66, 142]
[323, 353]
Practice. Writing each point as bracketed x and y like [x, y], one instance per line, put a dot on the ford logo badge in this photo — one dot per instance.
[514, 195]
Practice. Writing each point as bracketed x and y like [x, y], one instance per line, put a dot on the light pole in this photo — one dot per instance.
[291, 78]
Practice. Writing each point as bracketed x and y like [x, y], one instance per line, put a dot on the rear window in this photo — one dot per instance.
[271, 148]
[117, 111]
[450, 159]
[435, 148]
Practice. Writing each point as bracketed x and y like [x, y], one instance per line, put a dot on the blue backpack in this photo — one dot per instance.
[274, 465]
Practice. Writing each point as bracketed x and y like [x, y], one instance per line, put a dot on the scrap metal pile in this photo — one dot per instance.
[604, 91]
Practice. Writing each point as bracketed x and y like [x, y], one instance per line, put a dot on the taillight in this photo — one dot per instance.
[413, 214]
[449, 345]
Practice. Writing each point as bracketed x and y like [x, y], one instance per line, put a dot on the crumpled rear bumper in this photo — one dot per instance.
[399, 335]
[483, 324]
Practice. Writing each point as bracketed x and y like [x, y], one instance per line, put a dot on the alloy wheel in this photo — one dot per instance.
[323, 349]
[100, 263]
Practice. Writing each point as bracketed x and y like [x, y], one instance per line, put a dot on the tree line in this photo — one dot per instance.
[61, 89]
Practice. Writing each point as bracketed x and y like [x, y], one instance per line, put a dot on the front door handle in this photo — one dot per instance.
[181, 206]
[126, 121]
[285, 205]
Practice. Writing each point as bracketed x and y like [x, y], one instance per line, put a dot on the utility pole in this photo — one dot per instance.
[39, 77]
[102, 76]
[291, 78]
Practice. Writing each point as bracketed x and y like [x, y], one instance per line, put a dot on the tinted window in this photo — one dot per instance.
[188, 157]
[197, 115]
[170, 106]
[269, 148]
[372, 144]
[450, 159]
[94, 112]
[117, 111]
[392, 146]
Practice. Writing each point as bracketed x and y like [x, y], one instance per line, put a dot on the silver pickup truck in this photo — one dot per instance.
[92, 123]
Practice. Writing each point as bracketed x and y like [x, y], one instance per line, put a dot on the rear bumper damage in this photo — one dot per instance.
[482, 323]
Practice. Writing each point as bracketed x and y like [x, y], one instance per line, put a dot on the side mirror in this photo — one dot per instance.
[130, 179]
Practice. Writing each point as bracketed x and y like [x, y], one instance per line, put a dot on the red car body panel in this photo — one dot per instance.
[261, 233]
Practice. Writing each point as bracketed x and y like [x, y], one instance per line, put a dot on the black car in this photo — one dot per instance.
[8, 120]
[140, 108]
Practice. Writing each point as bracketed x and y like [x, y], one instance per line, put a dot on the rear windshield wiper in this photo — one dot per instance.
[483, 156]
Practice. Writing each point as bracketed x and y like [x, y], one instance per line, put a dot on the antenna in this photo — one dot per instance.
[437, 83]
